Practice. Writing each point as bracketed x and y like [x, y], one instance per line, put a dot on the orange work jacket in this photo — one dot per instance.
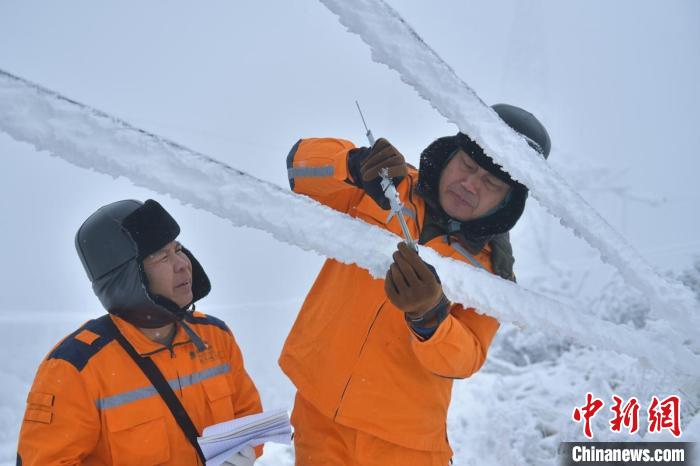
[350, 352]
[90, 404]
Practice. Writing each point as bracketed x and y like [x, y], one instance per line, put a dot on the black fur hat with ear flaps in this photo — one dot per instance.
[112, 244]
[436, 156]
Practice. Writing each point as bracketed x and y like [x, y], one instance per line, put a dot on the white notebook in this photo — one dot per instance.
[221, 441]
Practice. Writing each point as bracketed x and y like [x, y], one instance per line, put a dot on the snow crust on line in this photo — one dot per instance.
[95, 140]
[395, 44]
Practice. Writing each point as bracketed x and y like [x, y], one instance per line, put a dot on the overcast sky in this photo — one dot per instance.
[616, 84]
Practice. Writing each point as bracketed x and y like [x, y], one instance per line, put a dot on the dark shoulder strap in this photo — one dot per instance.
[166, 392]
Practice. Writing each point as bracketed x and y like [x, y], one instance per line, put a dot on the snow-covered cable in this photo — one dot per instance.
[395, 44]
[95, 140]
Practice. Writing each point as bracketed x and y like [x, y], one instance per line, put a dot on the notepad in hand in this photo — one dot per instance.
[221, 441]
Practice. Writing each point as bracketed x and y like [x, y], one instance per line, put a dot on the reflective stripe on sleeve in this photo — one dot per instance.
[310, 172]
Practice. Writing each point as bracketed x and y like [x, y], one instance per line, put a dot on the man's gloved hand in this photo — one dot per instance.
[414, 287]
[366, 164]
[383, 155]
[245, 457]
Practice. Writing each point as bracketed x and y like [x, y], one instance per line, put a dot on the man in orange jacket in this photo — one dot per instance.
[137, 385]
[373, 360]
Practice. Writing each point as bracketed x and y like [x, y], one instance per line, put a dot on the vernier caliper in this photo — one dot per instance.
[397, 206]
[390, 192]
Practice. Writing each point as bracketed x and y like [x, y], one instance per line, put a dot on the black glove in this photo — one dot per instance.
[366, 163]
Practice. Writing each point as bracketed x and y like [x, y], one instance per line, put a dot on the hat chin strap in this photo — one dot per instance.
[164, 312]
[160, 316]
[158, 311]
[153, 317]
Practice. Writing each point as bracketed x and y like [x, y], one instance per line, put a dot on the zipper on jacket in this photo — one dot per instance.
[347, 384]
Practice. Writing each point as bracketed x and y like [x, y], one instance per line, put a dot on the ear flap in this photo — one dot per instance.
[201, 286]
[124, 292]
[432, 161]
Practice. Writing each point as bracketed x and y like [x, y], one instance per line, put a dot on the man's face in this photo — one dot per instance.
[169, 273]
[467, 191]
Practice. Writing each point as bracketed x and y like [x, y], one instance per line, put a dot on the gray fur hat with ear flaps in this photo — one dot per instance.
[112, 244]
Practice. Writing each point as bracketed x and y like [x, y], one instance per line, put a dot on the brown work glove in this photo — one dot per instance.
[366, 163]
[414, 287]
[382, 155]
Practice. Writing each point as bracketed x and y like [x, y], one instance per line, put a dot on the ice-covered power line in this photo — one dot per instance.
[395, 44]
[95, 140]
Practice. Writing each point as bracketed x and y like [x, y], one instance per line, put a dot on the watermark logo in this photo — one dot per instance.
[586, 412]
[665, 414]
[661, 414]
[627, 415]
